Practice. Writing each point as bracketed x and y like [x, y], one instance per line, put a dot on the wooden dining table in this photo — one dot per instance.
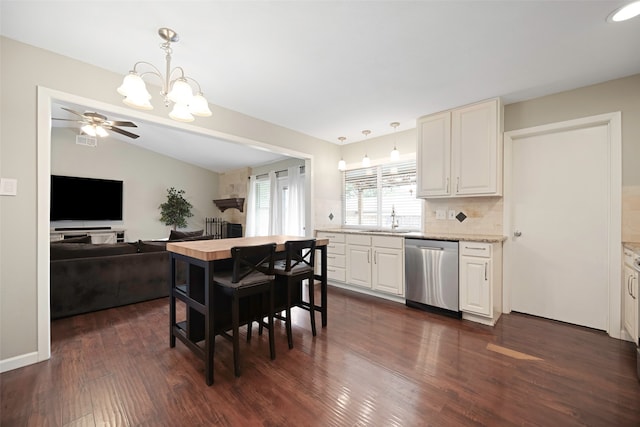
[196, 290]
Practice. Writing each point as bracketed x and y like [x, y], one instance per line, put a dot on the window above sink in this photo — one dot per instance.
[373, 194]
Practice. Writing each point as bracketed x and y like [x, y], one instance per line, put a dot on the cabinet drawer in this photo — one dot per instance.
[478, 249]
[388, 242]
[337, 274]
[335, 248]
[359, 239]
[333, 237]
[336, 261]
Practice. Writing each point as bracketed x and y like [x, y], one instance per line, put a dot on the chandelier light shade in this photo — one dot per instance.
[176, 87]
[342, 165]
[395, 154]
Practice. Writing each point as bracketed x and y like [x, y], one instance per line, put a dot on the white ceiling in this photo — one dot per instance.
[334, 68]
[208, 152]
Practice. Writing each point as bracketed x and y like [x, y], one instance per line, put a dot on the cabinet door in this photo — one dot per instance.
[475, 285]
[388, 268]
[434, 155]
[474, 148]
[359, 265]
[630, 292]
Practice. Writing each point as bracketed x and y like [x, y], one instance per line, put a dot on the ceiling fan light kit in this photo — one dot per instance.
[96, 124]
[177, 90]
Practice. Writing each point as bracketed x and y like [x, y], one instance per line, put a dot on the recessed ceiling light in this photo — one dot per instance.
[625, 12]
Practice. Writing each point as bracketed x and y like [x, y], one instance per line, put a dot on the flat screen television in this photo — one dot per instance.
[85, 199]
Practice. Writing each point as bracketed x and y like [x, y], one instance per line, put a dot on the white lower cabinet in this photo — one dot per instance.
[359, 254]
[480, 278]
[376, 262]
[336, 260]
[630, 295]
[388, 269]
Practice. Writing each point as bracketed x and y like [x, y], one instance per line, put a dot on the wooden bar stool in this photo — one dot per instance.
[290, 273]
[251, 276]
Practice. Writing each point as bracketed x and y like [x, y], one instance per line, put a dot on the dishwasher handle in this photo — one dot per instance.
[429, 248]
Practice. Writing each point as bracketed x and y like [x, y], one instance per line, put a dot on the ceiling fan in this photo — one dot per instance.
[96, 124]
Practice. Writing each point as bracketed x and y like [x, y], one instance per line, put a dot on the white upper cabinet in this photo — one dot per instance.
[460, 152]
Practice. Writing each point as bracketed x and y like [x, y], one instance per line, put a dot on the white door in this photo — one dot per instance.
[560, 203]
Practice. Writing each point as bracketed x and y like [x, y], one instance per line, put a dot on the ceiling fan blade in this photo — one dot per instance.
[123, 132]
[68, 120]
[121, 123]
[73, 112]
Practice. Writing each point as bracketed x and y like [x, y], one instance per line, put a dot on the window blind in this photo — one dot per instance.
[370, 195]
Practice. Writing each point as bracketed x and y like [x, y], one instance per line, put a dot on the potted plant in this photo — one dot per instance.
[176, 209]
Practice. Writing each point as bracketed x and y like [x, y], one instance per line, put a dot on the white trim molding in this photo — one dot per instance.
[45, 98]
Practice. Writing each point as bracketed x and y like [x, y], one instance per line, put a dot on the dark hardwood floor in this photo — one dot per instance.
[377, 363]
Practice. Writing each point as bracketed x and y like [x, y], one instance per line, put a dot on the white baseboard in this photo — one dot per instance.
[394, 298]
[18, 361]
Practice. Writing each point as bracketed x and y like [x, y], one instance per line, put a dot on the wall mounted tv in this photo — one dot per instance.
[85, 199]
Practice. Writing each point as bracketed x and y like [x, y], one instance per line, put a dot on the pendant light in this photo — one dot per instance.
[395, 154]
[342, 165]
[366, 161]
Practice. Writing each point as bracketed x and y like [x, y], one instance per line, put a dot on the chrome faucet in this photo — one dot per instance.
[394, 221]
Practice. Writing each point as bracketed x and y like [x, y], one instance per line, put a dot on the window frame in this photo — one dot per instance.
[381, 224]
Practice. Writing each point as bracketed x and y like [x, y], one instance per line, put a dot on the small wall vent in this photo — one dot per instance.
[89, 141]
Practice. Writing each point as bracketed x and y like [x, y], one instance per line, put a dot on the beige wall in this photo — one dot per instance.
[22, 69]
[146, 176]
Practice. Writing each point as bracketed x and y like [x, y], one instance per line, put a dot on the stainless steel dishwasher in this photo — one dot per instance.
[431, 275]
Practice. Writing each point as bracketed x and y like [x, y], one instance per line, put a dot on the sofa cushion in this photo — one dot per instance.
[88, 250]
[176, 235]
[151, 246]
[78, 239]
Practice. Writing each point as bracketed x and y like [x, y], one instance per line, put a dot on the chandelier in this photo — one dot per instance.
[176, 89]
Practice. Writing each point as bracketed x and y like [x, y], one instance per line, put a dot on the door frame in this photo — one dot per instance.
[613, 121]
[45, 98]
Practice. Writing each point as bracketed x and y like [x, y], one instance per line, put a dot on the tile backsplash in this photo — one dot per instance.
[483, 215]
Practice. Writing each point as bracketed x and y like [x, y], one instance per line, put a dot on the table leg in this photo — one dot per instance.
[323, 284]
[209, 332]
[172, 300]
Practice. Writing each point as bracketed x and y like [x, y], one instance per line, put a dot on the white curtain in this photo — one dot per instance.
[276, 207]
[251, 207]
[295, 203]
[275, 216]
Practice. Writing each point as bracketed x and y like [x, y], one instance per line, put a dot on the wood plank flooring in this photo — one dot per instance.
[377, 363]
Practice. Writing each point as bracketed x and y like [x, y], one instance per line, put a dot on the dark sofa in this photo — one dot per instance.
[87, 277]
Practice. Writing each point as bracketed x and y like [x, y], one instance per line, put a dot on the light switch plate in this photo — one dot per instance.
[8, 187]
[452, 214]
[441, 214]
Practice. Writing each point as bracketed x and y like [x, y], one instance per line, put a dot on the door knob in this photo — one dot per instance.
[517, 233]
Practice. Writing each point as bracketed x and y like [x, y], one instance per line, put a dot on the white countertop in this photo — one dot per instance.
[421, 235]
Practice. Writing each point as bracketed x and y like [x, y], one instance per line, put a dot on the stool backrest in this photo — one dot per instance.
[300, 252]
[251, 259]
